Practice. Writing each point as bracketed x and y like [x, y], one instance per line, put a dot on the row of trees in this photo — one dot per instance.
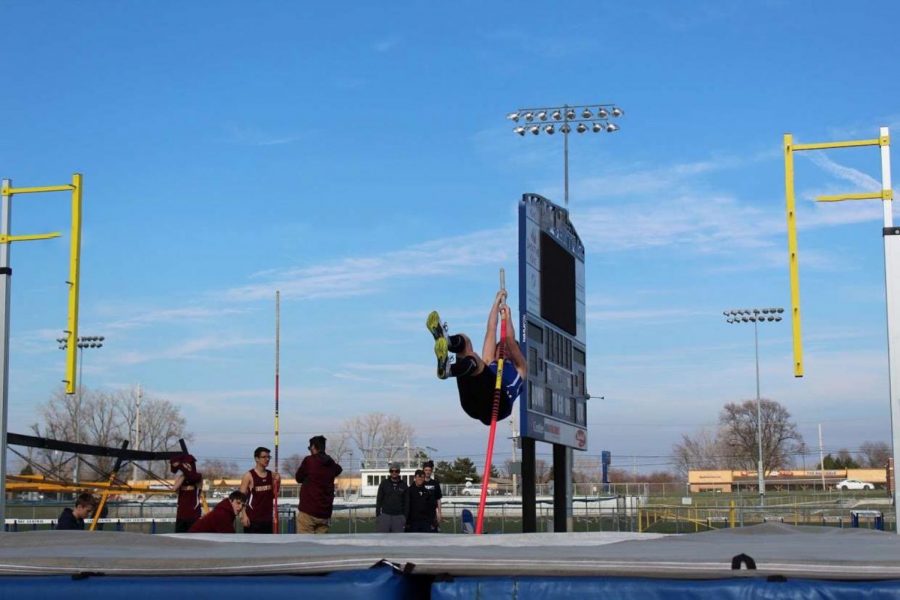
[104, 418]
[733, 444]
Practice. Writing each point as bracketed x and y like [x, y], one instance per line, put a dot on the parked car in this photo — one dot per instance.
[475, 490]
[853, 484]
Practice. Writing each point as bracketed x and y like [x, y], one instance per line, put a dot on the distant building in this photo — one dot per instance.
[736, 481]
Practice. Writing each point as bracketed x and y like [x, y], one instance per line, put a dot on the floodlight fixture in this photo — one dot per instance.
[579, 117]
[756, 316]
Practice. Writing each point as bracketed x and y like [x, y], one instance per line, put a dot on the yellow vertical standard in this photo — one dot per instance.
[791, 208]
[74, 278]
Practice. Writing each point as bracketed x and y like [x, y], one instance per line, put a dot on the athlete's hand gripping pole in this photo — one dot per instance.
[498, 389]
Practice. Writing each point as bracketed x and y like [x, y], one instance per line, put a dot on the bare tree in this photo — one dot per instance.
[339, 448]
[289, 465]
[734, 445]
[215, 470]
[161, 424]
[380, 438]
[875, 455]
[703, 450]
[781, 439]
[106, 419]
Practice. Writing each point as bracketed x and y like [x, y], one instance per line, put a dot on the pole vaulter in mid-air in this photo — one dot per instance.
[476, 375]
[488, 384]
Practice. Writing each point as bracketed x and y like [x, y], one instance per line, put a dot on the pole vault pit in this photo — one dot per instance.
[553, 403]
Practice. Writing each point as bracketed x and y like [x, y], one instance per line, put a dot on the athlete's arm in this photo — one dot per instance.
[489, 349]
[246, 484]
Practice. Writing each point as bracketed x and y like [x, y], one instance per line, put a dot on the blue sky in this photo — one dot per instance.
[357, 158]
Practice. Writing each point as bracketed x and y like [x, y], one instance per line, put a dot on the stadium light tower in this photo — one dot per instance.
[87, 341]
[756, 316]
[584, 117]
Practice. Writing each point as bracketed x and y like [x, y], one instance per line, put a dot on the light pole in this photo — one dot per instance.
[595, 117]
[756, 316]
[87, 341]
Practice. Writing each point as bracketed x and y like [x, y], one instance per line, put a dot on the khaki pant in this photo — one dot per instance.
[310, 524]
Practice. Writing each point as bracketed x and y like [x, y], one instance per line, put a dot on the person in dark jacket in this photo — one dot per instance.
[421, 515]
[188, 485]
[221, 518]
[316, 477]
[390, 503]
[73, 518]
[434, 486]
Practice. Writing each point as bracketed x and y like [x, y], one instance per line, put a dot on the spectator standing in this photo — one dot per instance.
[433, 486]
[221, 518]
[390, 504]
[188, 485]
[420, 506]
[316, 476]
[258, 487]
[73, 518]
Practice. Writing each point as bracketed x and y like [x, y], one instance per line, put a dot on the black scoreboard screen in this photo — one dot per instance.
[557, 285]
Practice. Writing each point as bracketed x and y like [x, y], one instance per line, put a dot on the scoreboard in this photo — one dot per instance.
[553, 404]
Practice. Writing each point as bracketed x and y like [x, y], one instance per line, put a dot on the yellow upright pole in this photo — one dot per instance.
[791, 209]
[74, 278]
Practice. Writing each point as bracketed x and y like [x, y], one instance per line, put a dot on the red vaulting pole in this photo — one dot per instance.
[498, 389]
[275, 527]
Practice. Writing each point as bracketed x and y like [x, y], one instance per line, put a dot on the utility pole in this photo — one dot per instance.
[137, 431]
[515, 459]
[821, 458]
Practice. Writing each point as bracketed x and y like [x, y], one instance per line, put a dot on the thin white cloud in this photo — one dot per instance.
[194, 349]
[647, 315]
[386, 44]
[170, 315]
[363, 275]
[865, 182]
[253, 136]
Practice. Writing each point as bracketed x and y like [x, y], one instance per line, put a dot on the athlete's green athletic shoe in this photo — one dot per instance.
[439, 331]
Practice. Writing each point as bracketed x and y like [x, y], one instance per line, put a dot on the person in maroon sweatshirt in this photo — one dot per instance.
[221, 518]
[188, 485]
[316, 476]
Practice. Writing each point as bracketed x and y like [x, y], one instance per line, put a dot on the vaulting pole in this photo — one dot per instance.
[277, 369]
[498, 389]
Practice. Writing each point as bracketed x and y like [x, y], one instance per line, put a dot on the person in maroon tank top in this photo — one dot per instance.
[259, 485]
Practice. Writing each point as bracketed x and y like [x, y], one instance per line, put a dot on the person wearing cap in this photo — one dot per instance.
[390, 503]
[421, 515]
[188, 485]
[316, 476]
